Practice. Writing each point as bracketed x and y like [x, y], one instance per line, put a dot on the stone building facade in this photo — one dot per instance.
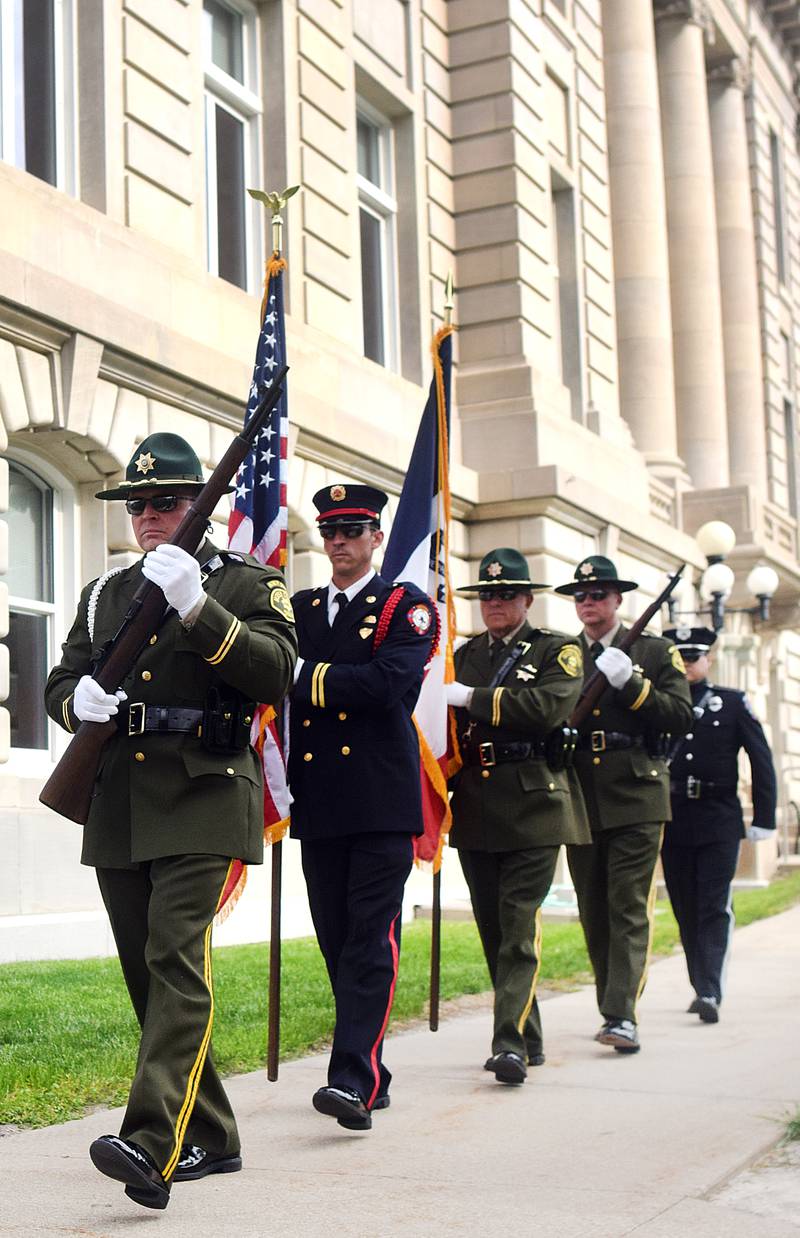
[615, 185]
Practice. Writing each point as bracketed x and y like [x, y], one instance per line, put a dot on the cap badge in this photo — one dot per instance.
[683, 633]
[338, 493]
[494, 569]
[145, 462]
[586, 569]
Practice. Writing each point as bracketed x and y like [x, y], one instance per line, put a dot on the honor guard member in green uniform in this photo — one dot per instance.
[620, 760]
[178, 796]
[701, 843]
[515, 687]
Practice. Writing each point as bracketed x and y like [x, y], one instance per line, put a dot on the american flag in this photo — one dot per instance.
[257, 525]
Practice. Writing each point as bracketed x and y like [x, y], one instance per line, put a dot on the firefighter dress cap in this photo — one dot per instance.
[160, 460]
[596, 570]
[346, 504]
[503, 568]
[698, 640]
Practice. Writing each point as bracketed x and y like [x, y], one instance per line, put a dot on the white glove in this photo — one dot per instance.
[757, 833]
[177, 574]
[91, 703]
[458, 694]
[616, 666]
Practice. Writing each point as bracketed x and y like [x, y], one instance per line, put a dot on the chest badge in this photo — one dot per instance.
[370, 619]
[526, 672]
[365, 632]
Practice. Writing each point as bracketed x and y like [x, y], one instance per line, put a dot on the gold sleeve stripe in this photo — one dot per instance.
[317, 695]
[225, 647]
[65, 714]
[496, 706]
[643, 695]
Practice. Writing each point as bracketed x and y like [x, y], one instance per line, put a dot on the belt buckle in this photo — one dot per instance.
[692, 788]
[136, 721]
[598, 741]
[486, 754]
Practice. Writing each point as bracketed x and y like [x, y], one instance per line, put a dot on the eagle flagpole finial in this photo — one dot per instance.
[275, 202]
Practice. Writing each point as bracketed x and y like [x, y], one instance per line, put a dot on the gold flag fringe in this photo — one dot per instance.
[232, 899]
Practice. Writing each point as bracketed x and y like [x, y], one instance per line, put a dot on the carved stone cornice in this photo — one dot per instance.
[697, 12]
[732, 71]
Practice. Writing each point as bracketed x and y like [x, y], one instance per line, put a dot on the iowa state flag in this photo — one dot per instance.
[418, 551]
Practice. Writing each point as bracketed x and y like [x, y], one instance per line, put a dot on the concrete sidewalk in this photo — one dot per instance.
[594, 1144]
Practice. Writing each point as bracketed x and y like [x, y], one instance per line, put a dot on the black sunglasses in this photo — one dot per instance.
[691, 657]
[597, 595]
[158, 502]
[504, 595]
[329, 531]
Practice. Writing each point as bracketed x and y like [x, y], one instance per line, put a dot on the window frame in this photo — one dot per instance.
[29, 762]
[242, 102]
[380, 202]
[12, 110]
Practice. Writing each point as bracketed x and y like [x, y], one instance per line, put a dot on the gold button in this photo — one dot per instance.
[342, 717]
[551, 786]
[146, 676]
[345, 751]
[654, 773]
[595, 760]
[596, 713]
[153, 639]
[230, 771]
[248, 719]
[306, 722]
[484, 773]
[308, 756]
[139, 756]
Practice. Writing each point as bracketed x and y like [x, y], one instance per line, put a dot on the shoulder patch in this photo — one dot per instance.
[676, 659]
[419, 616]
[279, 599]
[570, 659]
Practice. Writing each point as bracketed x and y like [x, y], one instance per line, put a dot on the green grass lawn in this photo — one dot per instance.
[68, 1038]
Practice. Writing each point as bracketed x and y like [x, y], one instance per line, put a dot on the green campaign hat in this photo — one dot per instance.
[503, 568]
[160, 460]
[596, 570]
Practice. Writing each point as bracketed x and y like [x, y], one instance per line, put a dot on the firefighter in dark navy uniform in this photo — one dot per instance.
[701, 843]
[355, 781]
[515, 687]
[178, 797]
[621, 764]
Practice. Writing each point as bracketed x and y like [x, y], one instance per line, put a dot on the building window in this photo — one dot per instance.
[232, 113]
[378, 226]
[566, 306]
[37, 89]
[778, 213]
[31, 606]
[792, 478]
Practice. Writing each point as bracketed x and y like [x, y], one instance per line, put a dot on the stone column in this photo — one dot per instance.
[638, 215]
[744, 379]
[692, 230]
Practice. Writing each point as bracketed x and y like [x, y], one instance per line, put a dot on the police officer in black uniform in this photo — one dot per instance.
[355, 778]
[701, 843]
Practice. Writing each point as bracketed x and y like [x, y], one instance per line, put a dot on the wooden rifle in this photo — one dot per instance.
[68, 790]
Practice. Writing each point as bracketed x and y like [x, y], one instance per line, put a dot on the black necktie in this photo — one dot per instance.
[495, 649]
[341, 598]
[595, 649]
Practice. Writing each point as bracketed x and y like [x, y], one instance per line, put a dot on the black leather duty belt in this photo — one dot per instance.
[700, 788]
[605, 741]
[137, 718]
[492, 753]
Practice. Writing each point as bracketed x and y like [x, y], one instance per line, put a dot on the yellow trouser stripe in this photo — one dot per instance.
[496, 706]
[199, 1062]
[537, 949]
[651, 920]
[643, 695]
[65, 714]
[225, 647]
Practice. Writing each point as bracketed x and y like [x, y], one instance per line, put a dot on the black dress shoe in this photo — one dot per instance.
[604, 1028]
[695, 1007]
[536, 1059]
[383, 1102]
[345, 1105]
[126, 1162]
[195, 1163]
[621, 1034]
[507, 1067]
[708, 1009]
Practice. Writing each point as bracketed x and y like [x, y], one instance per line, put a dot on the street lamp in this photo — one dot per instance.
[717, 539]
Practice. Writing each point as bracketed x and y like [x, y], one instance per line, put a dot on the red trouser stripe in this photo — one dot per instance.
[373, 1057]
